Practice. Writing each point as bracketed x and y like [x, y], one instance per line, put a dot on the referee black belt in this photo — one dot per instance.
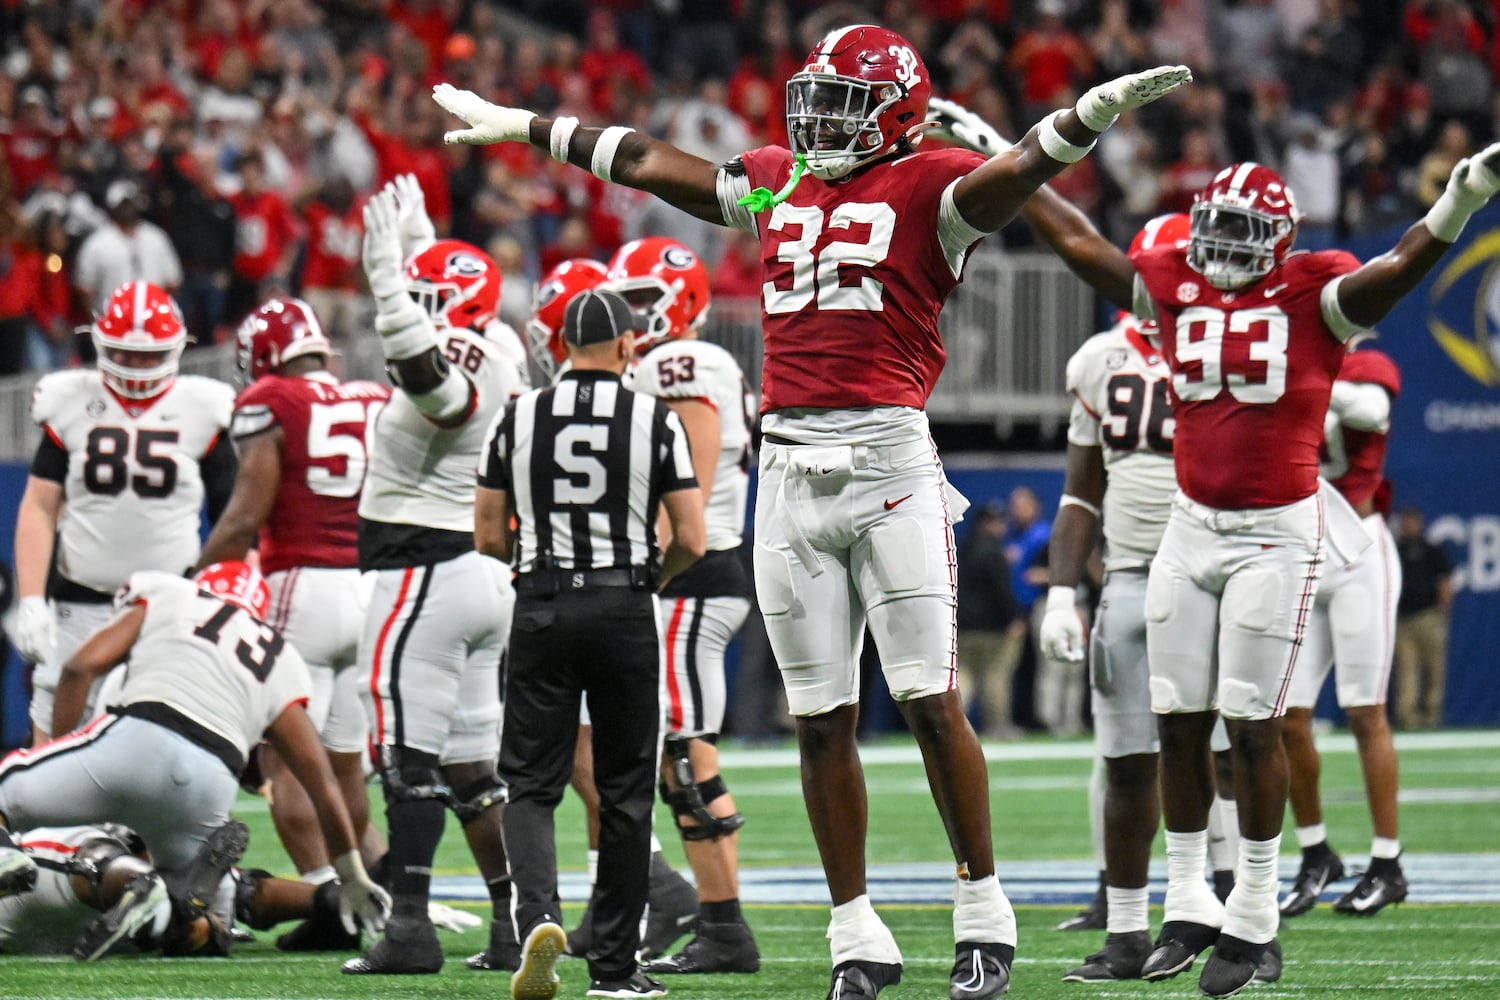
[561, 581]
[169, 718]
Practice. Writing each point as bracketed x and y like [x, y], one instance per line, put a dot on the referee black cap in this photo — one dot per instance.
[597, 316]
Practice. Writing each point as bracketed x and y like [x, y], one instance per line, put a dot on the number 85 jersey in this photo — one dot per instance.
[133, 486]
[1122, 404]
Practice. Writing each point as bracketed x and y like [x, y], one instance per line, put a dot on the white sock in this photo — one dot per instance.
[1312, 836]
[593, 866]
[320, 875]
[655, 845]
[1385, 847]
[1251, 914]
[857, 932]
[981, 912]
[1224, 834]
[1097, 781]
[1127, 910]
[1188, 896]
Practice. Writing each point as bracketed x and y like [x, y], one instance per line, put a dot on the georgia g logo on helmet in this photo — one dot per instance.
[678, 257]
[465, 265]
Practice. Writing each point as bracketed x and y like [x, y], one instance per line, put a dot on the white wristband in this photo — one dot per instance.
[1446, 218]
[405, 330]
[561, 137]
[605, 149]
[1062, 597]
[1068, 500]
[1055, 146]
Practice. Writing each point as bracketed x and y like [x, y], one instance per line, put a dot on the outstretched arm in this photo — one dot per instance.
[616, 154]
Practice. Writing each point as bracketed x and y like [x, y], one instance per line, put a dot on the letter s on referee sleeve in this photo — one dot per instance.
[676, 459]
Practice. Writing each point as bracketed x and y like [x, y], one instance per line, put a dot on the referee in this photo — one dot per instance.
[582, 466]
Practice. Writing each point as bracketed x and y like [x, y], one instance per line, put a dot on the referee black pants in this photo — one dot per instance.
[601, 644]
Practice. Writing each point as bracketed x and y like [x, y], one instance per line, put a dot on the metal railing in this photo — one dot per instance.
[1009, 329]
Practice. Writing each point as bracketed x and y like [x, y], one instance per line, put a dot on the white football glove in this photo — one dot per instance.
[359, 897]
[382, 247]
[957, 123]
[1062, 627]
[1472, 184]
[35, 629]
[450, 919]
[1099, 108]
[416, 229]
[488, 122]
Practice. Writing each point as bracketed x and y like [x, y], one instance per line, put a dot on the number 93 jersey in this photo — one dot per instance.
[1122, 404]
[695, 369]
[315, 518]
[133, 490]
[210, 660]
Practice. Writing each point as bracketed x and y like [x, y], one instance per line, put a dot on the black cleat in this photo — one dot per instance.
[671, 908]
[581, 938]
[1177, 946]
[1379, 887]
[536, 979]
[1269, 969]
[196, 885]
[981, 970]
[1231, 967]
[1223, 884]
[17, 872]
[409, 947]
[1093, 917]
[504, 952]
[857, 980]
[1122, 957]
[638, 985]
[1320, 866]
[142, 903]
[715, 948]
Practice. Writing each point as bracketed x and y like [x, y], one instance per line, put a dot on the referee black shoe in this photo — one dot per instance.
[1177, 947]
[1122, 957]
[1320, 866]
[856, 980]
[1231, 967]
[981, 970]
[1379, 887]
[1093, 917]
[638, 985]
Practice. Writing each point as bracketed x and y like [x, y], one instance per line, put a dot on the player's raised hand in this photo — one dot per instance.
[958, 124]
[1473, 182]
[1099, 108]
[35, 628]
[1062, 628]
[417, 231]
[382, 246]
[488, 123]
[359, 897]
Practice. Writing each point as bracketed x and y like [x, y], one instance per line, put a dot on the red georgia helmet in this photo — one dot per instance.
[237, 582]
[1243, 224]
[142, 323]
[456, 283]
[553, 293]
[862, 91]
[665, 283]
[1164, 230]
[277, 332]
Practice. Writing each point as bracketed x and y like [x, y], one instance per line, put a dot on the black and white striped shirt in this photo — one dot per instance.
[586, 462]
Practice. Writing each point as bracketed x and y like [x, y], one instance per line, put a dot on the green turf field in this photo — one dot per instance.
[1450, 805]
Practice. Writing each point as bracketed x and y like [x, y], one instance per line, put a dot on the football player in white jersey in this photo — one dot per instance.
[703, 607]
[440, 612]
[130, 450]
[208, 680]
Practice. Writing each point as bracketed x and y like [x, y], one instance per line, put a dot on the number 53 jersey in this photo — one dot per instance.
[1122, 404]
[133, 488]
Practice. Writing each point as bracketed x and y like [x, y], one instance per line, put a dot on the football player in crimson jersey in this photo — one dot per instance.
[1255, 336]
[862, 243]
[130, 450]
[1352, 630]
[301, 435]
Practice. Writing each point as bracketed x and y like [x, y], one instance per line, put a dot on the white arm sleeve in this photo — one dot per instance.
[1361, 406]
[1141, 302]
[731, 188]
[1333, 313]
[954, 232]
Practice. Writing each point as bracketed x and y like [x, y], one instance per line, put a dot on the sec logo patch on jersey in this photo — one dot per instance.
[1188, 291]
[1116, 360]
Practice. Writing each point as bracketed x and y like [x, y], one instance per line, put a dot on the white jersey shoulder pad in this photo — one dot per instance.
[55, 391]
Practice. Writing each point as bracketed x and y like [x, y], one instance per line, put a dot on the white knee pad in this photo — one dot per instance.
[898, 554]
[1257, 600]
[1243, 700]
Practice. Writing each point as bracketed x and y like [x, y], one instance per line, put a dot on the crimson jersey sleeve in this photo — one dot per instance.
[1371, 367]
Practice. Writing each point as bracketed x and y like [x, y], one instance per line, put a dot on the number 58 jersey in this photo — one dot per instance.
[133, 488]
[1122, 404]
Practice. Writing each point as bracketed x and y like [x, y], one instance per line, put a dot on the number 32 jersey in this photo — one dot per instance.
[1122, 404]
[324, 423]
[133, 489]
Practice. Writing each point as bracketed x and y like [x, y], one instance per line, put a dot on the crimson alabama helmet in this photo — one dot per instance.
[456, 283]
[1243, 224]
[553, 293]
[277, 332]
[139, 339]
[861, 91]
[237, 582]
[665, 283]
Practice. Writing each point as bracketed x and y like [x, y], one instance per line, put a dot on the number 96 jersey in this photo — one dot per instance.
[695, 369]
[1122, 404]
[133, 488]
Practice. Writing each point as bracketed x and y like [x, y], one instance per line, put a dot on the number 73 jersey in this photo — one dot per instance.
[1122, 404]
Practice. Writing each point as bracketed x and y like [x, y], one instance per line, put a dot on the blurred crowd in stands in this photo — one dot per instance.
[223, 147]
